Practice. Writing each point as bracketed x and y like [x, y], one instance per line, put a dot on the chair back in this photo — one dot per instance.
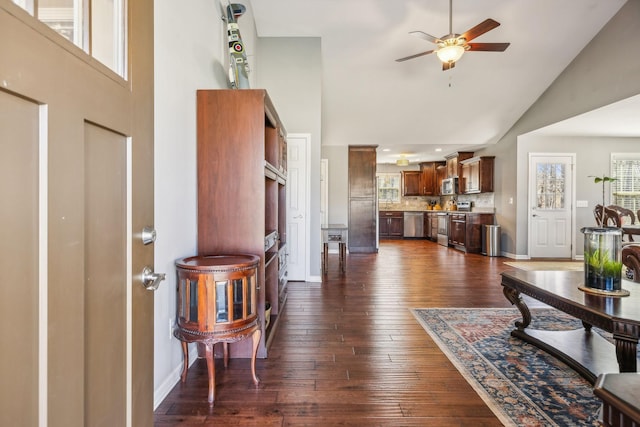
[626, 215]
[597, 213]
[611, 218]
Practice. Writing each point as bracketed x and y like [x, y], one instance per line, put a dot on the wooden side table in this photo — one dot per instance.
[217, 302]
[334, 233]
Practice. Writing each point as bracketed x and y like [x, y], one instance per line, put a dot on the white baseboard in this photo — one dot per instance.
[161, 392]
[515, 256]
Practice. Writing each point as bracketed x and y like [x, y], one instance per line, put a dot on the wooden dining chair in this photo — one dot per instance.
[626, 215]
[597, 213]
[631, 259]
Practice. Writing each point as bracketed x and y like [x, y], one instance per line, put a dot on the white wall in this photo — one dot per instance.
[190, 53]
[290, 69]
[598, 76]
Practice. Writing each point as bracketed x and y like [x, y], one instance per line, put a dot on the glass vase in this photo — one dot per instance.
[602, 259]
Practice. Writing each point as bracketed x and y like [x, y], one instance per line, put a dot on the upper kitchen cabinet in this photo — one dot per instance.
[477, 175]
[411, 185]
[430, 179]
[363, 213]
[453, 163]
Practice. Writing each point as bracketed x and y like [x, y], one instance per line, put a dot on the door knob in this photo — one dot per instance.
[151, 280]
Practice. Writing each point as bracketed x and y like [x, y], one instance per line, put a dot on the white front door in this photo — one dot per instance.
[76, 184]
[551, 205]
[297, 206]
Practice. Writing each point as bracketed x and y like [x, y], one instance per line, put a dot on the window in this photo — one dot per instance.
[550, 185]
[625, 190]
[388, 187]
[98, 26]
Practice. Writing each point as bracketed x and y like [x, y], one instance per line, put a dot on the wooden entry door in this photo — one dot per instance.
[76, 184]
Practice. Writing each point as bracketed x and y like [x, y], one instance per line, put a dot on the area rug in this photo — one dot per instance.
[522, 385]
[547, 265]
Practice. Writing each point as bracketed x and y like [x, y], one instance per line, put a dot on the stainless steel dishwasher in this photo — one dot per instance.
[413, 224]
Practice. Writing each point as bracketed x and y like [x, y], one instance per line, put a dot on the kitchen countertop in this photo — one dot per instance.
[473, 211]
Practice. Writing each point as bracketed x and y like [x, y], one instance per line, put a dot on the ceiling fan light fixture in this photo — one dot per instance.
[450, 53]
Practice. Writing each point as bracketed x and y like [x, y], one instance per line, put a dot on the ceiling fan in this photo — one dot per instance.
[452, 46]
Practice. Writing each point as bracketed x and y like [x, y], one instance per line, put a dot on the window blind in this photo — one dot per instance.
[625, 189]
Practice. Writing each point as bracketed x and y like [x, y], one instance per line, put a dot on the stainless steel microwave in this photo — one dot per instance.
[449, 186]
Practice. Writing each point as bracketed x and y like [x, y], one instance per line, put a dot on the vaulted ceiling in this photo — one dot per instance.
[414, 107]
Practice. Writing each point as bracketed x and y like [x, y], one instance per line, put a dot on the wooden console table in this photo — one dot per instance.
[334, 233]
[586, 352]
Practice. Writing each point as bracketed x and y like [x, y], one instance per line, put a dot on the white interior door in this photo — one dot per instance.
[76, 174]
[298, 206]
[551, 203]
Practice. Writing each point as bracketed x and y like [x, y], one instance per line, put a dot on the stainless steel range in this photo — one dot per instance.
[443, 222]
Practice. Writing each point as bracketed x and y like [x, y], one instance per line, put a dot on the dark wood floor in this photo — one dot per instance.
[348, 352]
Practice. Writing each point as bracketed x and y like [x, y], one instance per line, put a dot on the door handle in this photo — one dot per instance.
[151, 280]
[298, 217]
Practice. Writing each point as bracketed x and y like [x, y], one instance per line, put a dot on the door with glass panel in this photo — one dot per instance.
[551, 204]
[76, 184]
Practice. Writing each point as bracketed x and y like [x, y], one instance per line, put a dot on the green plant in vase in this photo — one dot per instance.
[604, 271]
[602, 264]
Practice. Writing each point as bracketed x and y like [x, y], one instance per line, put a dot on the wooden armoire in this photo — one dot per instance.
[242, 173]
[363, 198]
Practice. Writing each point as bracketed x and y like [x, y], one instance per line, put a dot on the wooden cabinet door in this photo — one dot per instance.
[396, 226]
[411, 183]
[441, 173]
[427, 226]
[457, 226]
[383, 226]
[428, 178]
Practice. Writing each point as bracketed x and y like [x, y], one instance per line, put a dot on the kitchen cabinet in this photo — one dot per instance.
[362, 199]
[430, 182]
[477, 175]
[241, 170]
[411, 183]
[391, 224]
[427, 226]
[434, 226]
[465, 230]
[453, 162]
[457, 229]
[441, 173]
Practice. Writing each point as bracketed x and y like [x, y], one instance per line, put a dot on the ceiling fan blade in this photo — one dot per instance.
[425, 36]
[448, 65]
[489, 47]
[417, 55]
[486, 25]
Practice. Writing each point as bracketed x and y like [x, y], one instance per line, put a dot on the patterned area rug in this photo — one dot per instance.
[547, 265]
[523, 386]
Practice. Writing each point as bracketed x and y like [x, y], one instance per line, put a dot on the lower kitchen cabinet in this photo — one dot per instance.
[391, 224]
[465, 230]
[432, 228]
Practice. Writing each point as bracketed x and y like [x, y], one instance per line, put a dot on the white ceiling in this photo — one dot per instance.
[414, 107]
